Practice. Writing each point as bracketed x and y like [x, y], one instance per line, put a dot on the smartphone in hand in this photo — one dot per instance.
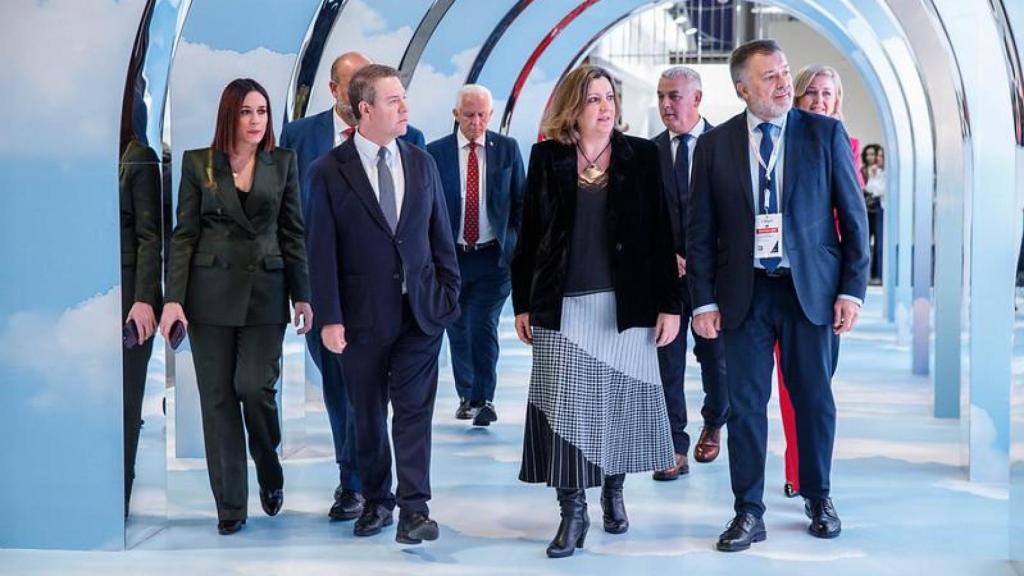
[177, 334]
[130, 335]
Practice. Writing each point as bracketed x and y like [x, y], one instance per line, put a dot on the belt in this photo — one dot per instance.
[476, 247]
[777, 273]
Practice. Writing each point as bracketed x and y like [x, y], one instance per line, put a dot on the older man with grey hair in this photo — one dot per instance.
[483, 179]
[679, 98]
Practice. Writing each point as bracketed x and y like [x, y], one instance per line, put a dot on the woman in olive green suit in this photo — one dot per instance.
[236, 258]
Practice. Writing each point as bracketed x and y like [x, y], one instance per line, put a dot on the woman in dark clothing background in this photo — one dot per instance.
[594, 291]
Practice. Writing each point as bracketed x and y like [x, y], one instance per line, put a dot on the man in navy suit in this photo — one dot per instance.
[768, 262]
[483, 178]
[679, 97]
[385, 286]
[311, 138]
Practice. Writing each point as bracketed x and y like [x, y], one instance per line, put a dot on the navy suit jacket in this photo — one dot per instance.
[505, 185]
[313, 136]
[819, 186]
[676, 205]
[357, 264]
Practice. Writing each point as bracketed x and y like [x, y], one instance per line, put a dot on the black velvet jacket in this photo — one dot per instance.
[640, 234]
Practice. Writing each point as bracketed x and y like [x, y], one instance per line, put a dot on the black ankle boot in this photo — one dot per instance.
[615, 520]
[575, 522]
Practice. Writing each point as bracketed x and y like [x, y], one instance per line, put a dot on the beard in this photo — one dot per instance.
[769, 109]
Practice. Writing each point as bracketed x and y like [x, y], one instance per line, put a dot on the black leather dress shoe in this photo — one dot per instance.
[743, 530]
[373, 519]
[825, 521]
[485, 414]
[348, 505]
[466, 411]
[414, 528]
[272, 500]
[225, 527]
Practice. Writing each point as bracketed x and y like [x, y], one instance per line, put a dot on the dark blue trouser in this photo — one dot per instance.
[807, 362]
[404, 375]
[339, 411]
[672, 362]
[474, 336]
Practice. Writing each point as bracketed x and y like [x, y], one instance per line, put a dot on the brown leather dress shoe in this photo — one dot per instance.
[708, 445]
[681, 468]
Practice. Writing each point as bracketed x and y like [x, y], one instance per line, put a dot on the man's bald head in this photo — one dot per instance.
[342, 70]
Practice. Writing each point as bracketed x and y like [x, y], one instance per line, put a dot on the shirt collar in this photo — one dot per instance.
[753, 122]
[339, 122]
[368, 150]
[463, 141]
[696, 131]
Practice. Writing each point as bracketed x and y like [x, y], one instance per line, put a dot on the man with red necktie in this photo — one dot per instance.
[483, 179]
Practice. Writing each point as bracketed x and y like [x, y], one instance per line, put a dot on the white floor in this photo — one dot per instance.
[897, 483]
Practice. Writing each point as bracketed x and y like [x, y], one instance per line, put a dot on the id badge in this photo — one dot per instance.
[768, 236]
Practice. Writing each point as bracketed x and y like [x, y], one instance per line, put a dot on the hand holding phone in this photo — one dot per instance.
[177, 334]
[130, 335]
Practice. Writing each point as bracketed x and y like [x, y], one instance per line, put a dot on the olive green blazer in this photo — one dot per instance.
[139, 187]
[232, 269]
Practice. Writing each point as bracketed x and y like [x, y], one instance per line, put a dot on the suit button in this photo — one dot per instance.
[397, 277]
[250, 268]
[218, 211]
[618, 247]
[399, 242]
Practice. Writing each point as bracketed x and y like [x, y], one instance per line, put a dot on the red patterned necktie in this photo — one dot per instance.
[471, 229]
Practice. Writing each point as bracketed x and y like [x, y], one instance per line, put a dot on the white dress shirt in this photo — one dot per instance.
[339, 128]
[368, 156]
[778, 141]
[486, 233]
[696, 131]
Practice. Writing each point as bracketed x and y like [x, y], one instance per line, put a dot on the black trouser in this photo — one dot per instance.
[808, 360]
[238, 365]
[404, 373]
[672, 364]
[135, 361]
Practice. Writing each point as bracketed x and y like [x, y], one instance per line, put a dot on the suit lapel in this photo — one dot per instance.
[563, 164]
[262, 182]
[621, 161]
[492, 169]
[740, 140]
[415, 189]
[668, 174]
[453, 176]
[227, 192]
[352, 170]
[795, 139]
[325, 130]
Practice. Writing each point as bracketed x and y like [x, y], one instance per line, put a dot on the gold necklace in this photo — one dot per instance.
[592, 174]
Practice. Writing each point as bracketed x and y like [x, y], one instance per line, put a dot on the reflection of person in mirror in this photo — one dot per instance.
[595, 291]
[139, 191]
[873, 171]
[237, 256]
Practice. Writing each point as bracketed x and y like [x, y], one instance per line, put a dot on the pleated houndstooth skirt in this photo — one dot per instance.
[596, 406]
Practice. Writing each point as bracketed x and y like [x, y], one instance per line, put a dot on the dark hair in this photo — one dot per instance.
[362, 86]
[739, 57]
[227, 115]
[864, 153]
